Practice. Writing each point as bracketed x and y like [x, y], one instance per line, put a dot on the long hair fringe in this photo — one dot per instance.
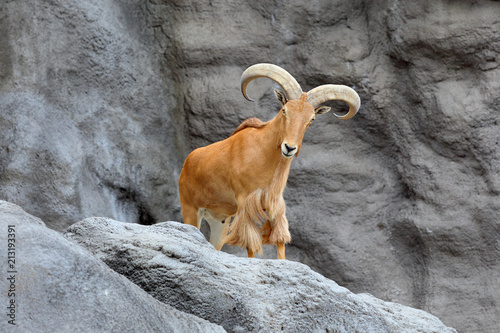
[262, 218]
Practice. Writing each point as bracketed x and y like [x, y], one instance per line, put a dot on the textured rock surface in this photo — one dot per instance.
[102, 100]
[87, 126]
[61, 287]
[402, 200]
[175, 264]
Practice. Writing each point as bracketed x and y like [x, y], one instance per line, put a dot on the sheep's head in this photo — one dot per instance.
[296, 116]
[300, 108]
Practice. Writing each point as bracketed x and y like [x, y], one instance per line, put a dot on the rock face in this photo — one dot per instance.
[87, 126]
[401, 201]
[57, 286]
[102, 100]
[176, 265]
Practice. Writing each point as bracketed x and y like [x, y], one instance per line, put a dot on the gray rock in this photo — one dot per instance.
[86, 126]
[58, 286]
[400, 201]
[175, 264]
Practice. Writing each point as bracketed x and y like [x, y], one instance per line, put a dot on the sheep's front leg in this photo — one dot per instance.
[275, 230]
[245, 230]
[280, 248]
[266, 234]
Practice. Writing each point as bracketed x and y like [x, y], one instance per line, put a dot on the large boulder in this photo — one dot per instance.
[51, 284]
[174, 263]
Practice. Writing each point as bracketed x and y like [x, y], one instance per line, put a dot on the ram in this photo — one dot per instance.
[244, 176]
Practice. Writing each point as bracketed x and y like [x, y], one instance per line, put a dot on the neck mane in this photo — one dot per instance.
[250, 122]
[273, 193]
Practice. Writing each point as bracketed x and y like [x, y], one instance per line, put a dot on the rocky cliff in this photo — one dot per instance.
[101, 101]
[174, 263]
[87, 118]
[56, 285]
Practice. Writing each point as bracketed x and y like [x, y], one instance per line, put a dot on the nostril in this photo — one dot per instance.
[289, 149]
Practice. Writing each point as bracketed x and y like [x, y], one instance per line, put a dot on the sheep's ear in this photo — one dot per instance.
[322, 109]
[280, 96]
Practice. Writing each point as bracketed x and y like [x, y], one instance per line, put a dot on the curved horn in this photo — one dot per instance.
[287, 82]
[332, 92]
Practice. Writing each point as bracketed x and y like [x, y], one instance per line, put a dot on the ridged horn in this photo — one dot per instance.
[332, 92]
[287, 82]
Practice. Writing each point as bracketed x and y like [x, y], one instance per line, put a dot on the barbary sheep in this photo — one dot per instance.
[244, 176]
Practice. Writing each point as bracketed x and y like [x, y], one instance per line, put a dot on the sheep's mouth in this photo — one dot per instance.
[287, 155]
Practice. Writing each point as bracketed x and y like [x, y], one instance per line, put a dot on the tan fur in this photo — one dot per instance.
[250, 122]
[244, 176]
[245, 229]
[262, 205]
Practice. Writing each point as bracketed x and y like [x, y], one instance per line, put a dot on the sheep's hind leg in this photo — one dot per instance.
[218, 230]
[191, 216]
